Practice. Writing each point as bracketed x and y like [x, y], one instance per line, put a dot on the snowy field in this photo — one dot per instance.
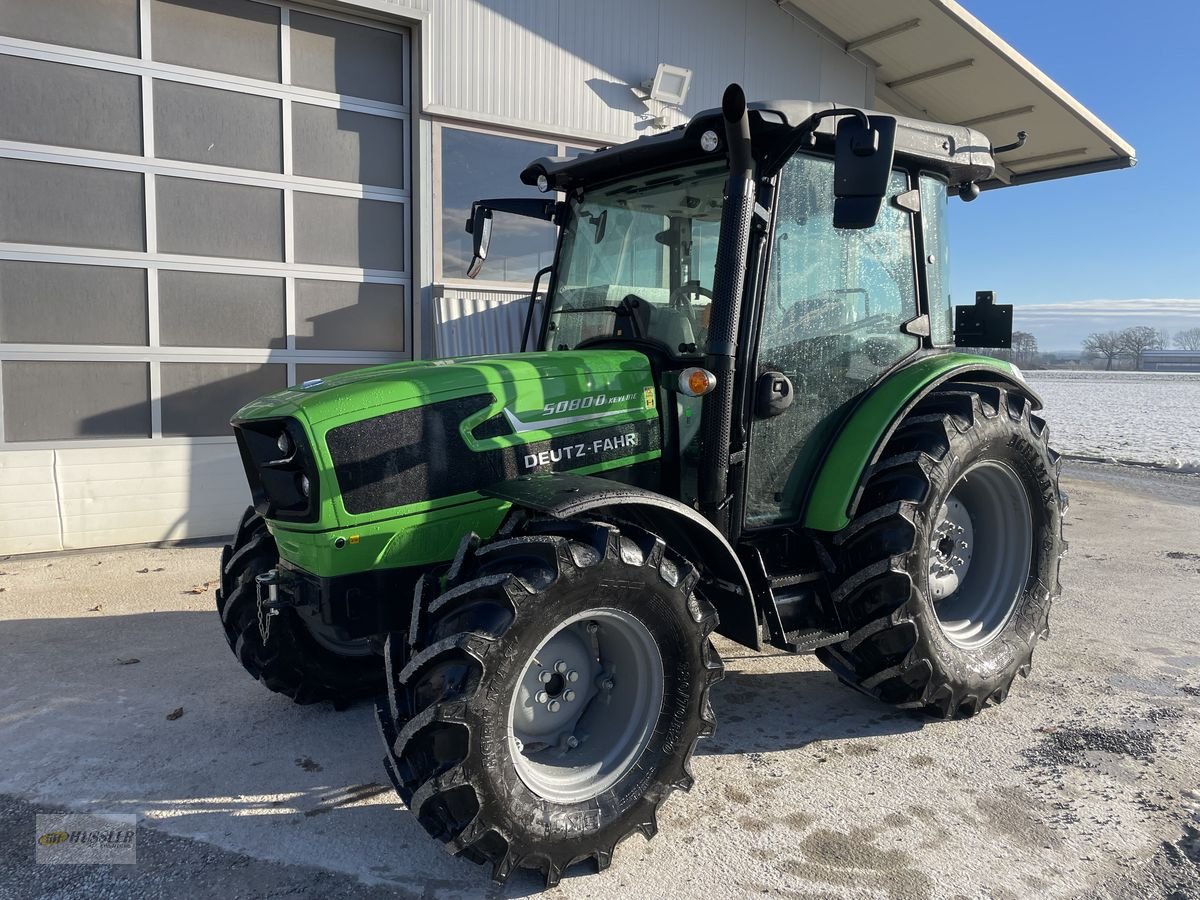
[1137, 417]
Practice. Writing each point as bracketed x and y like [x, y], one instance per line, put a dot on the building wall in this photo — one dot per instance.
[566, 68]
[538, 76]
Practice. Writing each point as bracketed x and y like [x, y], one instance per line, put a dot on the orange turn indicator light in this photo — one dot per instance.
[696, 382]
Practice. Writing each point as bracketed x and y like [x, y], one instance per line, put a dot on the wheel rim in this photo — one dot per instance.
[979, 554]
[586, 705]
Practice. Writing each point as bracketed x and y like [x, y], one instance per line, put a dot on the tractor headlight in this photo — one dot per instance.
[280, 468]
[543, 183]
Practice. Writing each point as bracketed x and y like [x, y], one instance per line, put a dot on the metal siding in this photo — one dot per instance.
[566, 68]
[182, 491]
[28, 502]
[476, 322]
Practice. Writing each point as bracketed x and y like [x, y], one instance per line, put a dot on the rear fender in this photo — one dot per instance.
[726, 585]
[833, 500]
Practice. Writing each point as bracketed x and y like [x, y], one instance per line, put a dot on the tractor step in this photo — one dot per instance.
[811, 638]
[777, 582]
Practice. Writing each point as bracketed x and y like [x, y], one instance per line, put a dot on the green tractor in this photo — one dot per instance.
[742, 414]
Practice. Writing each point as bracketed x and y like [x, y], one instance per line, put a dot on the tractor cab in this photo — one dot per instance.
[846, 278]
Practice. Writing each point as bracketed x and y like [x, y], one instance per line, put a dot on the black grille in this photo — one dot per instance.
[277, 476]
[419, 454]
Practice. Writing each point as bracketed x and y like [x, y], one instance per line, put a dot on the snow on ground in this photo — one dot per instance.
[1139, 417]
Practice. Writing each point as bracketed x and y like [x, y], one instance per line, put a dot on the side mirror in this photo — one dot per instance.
[480, 227]
[862, 169]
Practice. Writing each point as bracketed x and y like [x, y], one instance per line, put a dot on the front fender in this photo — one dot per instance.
[726, 585]
[833, 499]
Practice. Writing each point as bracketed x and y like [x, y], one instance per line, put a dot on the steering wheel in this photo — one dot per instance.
[680, 298]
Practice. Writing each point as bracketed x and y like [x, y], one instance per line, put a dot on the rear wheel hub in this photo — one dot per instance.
[979, 553]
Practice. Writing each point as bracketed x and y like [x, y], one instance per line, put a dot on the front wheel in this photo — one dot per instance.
[950, 569]
[300, 659]
[552, 697]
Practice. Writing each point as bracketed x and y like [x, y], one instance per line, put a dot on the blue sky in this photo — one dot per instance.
[1115, 236]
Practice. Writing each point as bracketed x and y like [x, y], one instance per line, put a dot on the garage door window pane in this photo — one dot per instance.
[46, 203]
[209, 218]
[51, 401]
[55, 303]
[206, 309]
[199, 398]
[342, 145]
[344, 231]
[342, 315]
[477, 166]
[309, 371]
[343, 58]
[234, 36]
[69, 106]
[221, 128]
[110, 26]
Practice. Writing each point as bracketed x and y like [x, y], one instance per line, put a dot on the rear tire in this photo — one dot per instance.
[949, 570]
[464, 691]
[292, 662]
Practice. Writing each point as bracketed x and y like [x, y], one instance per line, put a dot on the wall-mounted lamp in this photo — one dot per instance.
[669, 85]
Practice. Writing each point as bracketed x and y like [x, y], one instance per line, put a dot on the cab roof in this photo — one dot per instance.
[959, 153]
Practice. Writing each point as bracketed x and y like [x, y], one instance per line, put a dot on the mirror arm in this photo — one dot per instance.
[802, 135]
[529, 207]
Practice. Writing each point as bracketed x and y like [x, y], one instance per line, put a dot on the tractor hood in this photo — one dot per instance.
[364, 393]
[397, 439]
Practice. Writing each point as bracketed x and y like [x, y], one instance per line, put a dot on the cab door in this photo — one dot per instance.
[833, 307]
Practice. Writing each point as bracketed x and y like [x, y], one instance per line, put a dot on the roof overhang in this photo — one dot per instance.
[934, 60]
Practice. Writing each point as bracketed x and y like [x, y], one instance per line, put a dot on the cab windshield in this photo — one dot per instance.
[637, 261]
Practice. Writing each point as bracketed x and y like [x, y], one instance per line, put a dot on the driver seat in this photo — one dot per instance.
[671, 327]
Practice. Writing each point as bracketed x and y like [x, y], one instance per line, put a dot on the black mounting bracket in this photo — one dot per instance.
[986, 324]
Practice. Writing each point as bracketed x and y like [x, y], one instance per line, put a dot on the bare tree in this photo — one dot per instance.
[1024, 348]
[1106, 345]
[1138, 339]
[1188, 340]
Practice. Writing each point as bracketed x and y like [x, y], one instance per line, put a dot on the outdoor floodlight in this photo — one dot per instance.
[669, 85]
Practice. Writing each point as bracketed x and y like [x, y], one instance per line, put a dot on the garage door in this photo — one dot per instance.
[200, 201]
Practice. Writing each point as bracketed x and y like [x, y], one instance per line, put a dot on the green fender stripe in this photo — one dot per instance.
[856, 444]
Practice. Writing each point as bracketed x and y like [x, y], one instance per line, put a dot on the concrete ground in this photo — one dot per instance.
[1085, 782]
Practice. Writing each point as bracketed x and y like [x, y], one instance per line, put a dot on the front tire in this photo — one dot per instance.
[949, 571]
[293, 661]
[483, 741]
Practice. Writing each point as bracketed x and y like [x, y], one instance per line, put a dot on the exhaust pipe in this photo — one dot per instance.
[728, 283]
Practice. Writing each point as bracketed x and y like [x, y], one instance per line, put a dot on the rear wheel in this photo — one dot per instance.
[552, 697]
[300, 659]
[949, 571]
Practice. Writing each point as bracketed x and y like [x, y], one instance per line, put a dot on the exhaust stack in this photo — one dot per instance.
[728, 283]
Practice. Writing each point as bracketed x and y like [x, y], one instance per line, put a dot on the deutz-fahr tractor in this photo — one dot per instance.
[738, 410]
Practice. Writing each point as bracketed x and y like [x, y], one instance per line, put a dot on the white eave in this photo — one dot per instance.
[934, 60]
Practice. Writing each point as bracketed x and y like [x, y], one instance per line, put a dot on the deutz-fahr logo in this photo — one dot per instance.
[584, 449]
